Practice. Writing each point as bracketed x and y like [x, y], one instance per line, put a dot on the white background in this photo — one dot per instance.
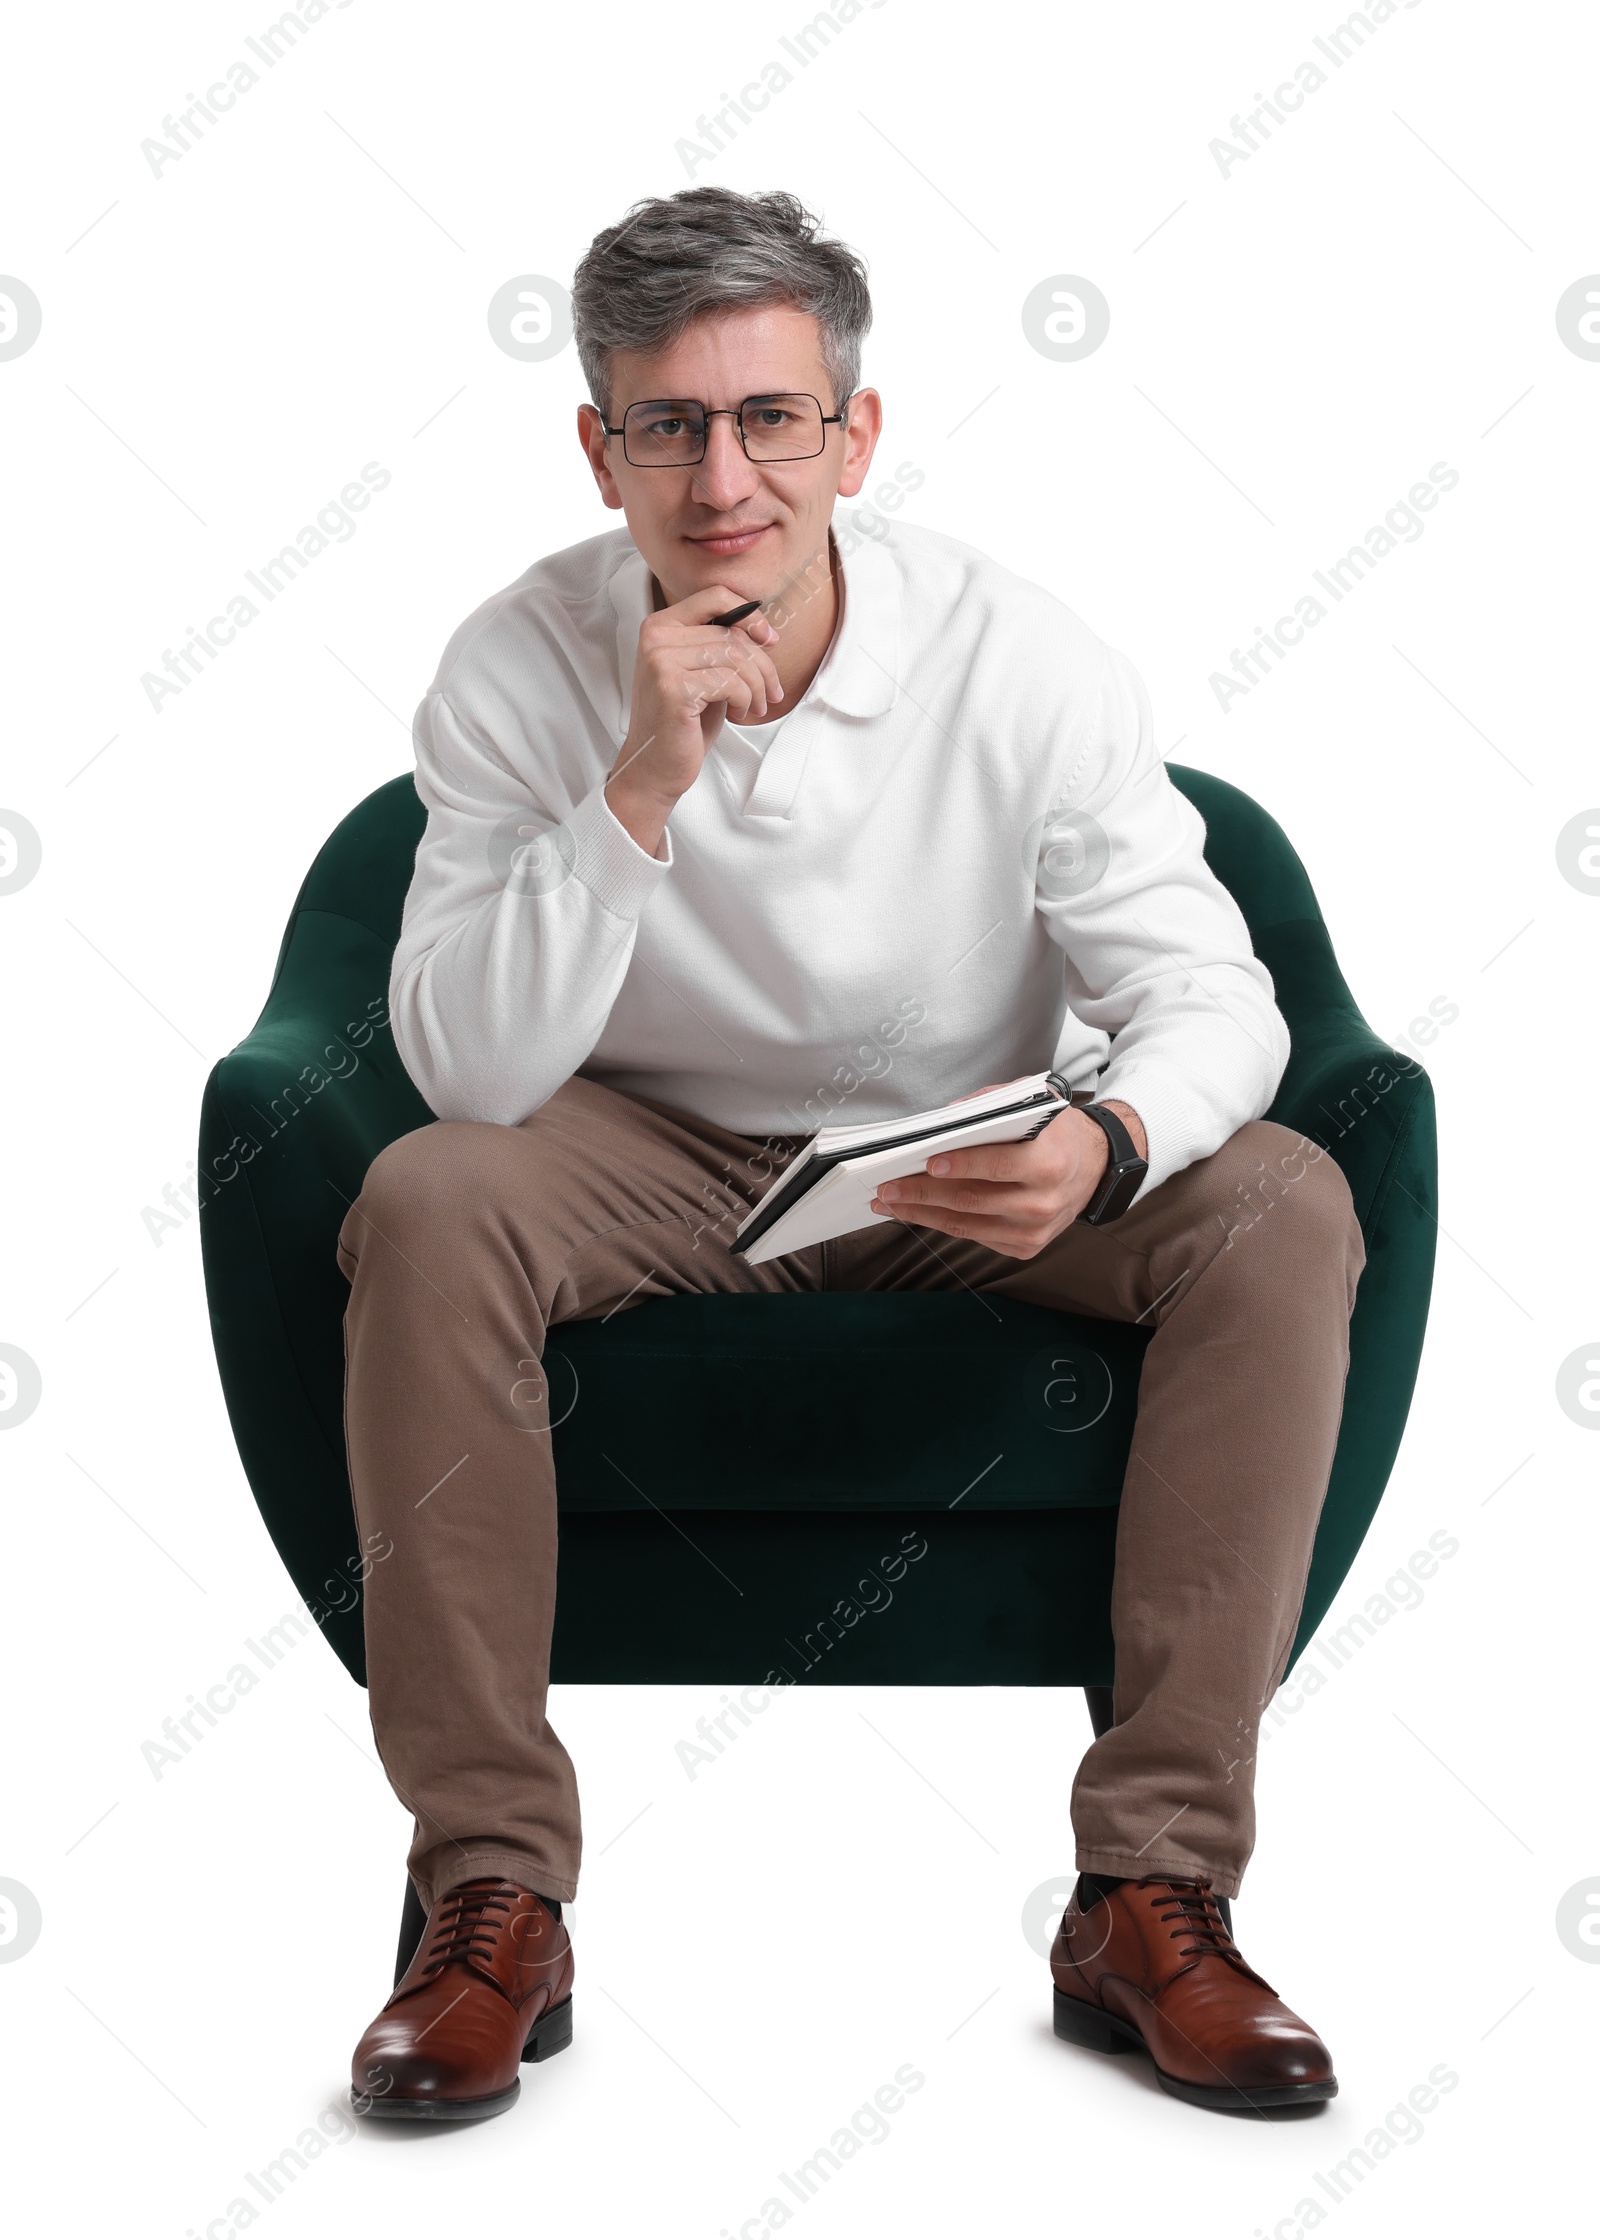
[1291, 347]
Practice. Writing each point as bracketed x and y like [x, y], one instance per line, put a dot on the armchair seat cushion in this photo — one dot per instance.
[842, 1400]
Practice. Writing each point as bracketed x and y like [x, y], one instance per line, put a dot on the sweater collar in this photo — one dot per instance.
[859, 675]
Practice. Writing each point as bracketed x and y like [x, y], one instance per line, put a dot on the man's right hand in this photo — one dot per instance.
[687, 675]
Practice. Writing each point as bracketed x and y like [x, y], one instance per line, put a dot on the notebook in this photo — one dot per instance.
[826, 1189]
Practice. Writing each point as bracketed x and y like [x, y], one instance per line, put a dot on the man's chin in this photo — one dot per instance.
[763, 569]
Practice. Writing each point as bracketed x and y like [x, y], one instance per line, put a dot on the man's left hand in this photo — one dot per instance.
[1013, 1197]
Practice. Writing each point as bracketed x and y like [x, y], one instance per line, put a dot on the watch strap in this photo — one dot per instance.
[1125, 1170]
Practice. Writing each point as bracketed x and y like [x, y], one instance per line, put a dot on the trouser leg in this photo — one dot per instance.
[1245, 1266]
[469, 1240]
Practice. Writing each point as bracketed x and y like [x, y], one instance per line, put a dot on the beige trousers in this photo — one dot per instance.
[469, 1240]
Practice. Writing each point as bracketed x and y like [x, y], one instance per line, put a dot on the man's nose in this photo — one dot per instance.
[724, 476]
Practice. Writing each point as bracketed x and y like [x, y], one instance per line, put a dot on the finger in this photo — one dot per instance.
[1008, 1163]
[988, 1162]
[758, 626]
[913, 1192]
[901, 1185]
[743, 695]
[702, 609]
[723, 688]
[734, 647]
[710, 690]
[755, 672]
[996, 1235]
[756, 631]
[744, 701]
[753, 661]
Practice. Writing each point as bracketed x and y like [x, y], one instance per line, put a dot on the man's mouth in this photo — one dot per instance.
[725, 541]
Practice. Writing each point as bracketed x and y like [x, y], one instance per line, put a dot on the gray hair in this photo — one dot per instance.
[676, 258]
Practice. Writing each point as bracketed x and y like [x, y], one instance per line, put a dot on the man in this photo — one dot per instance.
[676, 871]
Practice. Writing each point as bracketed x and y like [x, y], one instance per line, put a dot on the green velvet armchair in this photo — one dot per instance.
[738, 1478]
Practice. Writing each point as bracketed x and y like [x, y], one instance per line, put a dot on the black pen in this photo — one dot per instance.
[736, 614]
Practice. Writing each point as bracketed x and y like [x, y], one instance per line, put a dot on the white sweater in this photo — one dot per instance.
[959, 858]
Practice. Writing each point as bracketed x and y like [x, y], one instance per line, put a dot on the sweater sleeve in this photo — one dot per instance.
[518, 926]
[1158, 955]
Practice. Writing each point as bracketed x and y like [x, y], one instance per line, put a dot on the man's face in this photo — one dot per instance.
[752, 525]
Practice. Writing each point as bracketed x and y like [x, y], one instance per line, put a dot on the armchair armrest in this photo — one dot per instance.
[290, 1122]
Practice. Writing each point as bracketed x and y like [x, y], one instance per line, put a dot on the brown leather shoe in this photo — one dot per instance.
[1151, 1967]
[490, 1987]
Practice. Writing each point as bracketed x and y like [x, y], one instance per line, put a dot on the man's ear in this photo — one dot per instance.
[860, 440]
[591, 436]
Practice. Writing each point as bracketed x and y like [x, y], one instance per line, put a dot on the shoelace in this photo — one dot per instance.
[1194, 1907]
[464, 1931]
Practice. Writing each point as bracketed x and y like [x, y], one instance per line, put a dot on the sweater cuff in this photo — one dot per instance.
[609, 861]
[1179, 1126]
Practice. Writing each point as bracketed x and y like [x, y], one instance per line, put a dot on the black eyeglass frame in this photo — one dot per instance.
[735, 413]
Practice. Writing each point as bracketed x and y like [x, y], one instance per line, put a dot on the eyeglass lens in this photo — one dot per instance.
[671, 431]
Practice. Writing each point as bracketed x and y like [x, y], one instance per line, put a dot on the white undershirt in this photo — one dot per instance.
[760, 736]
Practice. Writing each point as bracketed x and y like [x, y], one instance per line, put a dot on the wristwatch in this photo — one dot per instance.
[1123, 1174]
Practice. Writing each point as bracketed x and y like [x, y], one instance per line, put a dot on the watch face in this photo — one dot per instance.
[1119, 1189]
[1124, 1172]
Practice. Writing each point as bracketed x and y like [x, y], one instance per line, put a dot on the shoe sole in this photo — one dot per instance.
[1103, 2032]
[550, 2034]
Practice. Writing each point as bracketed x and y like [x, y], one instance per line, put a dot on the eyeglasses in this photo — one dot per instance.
[671, 431]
